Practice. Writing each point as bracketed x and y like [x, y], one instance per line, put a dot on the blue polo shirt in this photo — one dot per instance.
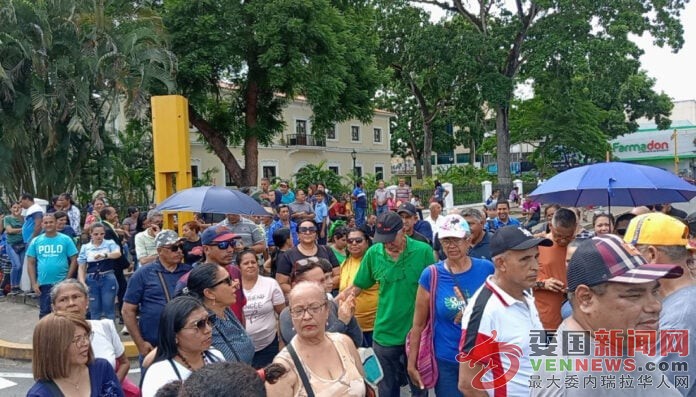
[482, 249]
[145, 290]
[496, 224]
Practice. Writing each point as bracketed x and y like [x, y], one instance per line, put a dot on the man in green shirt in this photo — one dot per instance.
[396, 262]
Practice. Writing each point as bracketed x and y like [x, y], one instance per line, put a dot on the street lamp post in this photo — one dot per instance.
[354, 155]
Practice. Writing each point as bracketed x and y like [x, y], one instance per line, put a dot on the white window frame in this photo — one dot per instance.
[381, 136]
[359, 140]
[335, 130]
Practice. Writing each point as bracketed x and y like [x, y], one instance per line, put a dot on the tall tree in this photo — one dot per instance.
[432, 73]
[67, 67]
[241, 62]
[520, 32]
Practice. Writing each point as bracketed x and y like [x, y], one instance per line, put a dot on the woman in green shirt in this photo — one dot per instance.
[15, 245]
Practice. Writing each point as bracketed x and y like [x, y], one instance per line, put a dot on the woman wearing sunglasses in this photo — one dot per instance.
[185, 338]
[212, 285]
[340, 314]
[366, 302]
[321, 363]
[307, 248]
[63, 362]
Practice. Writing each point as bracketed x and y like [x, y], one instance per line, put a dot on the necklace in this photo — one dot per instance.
[187, 364]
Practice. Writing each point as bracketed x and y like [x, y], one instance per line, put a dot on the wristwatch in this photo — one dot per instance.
[539, 284]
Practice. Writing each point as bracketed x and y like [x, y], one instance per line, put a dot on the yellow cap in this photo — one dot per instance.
[656, 228]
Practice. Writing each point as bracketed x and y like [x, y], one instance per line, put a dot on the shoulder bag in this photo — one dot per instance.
[426, 362]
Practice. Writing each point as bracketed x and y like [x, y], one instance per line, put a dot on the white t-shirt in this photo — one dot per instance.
[261, 319]
[162, 372]
[106, 343]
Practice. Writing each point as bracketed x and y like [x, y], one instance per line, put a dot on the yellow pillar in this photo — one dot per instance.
[170, 142]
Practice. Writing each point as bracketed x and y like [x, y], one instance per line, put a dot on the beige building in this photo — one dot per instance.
[297, 146]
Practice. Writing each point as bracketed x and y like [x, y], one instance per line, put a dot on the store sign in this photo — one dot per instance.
[653, 144]
[650, 146]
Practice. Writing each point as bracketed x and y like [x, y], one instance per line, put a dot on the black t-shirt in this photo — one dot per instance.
[188, 256]
[286, 261]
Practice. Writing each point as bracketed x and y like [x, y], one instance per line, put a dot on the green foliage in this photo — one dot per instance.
[313, 173]
[265, 53]
[67, 69]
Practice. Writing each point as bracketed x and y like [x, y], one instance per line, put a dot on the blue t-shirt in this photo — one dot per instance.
[440, 193]
[448, 305]
[102, 379]
[145, 290]
[321, 211]
[52, 256]
[360, 198]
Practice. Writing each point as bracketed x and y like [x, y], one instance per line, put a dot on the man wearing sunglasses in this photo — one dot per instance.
[219, 245]
[150, 288]
[250, 235]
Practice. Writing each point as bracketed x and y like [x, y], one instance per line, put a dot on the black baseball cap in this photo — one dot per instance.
[407, 208]
[388, 225]
[515, 238]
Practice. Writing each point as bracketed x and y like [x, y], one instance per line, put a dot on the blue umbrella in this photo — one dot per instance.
[214, 200]
[614, 183]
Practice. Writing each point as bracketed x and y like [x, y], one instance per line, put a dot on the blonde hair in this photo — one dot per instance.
[53, 336]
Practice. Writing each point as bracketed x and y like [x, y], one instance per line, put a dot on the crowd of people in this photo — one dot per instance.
[466, 303]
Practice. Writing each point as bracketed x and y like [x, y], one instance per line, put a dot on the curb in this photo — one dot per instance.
[23, 351]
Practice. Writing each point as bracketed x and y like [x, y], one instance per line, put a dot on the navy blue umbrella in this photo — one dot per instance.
[213, 200]
[614, 183]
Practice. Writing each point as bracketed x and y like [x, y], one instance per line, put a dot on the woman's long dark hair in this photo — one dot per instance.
[172, 320]
[200, 278]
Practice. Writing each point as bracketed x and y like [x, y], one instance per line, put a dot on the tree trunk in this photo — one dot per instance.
[472, 152]
[503, 146]
[251, 142]
[427, 149]
[219, 145]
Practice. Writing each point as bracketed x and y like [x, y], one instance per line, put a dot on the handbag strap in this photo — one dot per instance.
[164, 286]
[227, 342]
[300, 370]
[433, 289]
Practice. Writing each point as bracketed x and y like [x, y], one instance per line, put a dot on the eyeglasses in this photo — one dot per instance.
[175, 247]
[357, 240]
[314, 308]
[449, 242]
[306, 229]
[227, 280]
[202, 324]
[83, 339]
[223, 245]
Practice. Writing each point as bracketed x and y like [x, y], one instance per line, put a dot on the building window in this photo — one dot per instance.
[301, 127]
[269, 171]
[379, 172]
[194, 174]
[355, 133]
[331, 132]
[358, 171]
[378, 135]
[334, 169]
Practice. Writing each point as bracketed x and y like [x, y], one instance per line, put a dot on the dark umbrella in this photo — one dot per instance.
[213, 200]
[614, 183]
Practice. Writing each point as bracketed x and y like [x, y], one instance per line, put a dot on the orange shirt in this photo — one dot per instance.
[551, 264]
